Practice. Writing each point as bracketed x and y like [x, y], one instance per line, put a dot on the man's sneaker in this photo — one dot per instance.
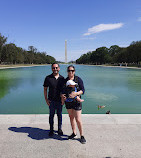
[60, 132]
[72, 136]
[51, 133]
[82, 140]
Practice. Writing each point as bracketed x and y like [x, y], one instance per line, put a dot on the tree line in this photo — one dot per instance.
[116, 55]
[11, 54]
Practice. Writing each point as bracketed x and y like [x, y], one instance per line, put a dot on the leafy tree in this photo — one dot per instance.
[10, 53]
[115, 54]
[135, 51]
[84, 59]
[114, 49]
[20, 55]
[2, 42]
[121, 56]
[100, 56]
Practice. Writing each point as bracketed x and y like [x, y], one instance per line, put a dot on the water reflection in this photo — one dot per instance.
[13, 78]
[7, 81]
[21, 90]
[3, 87]
[134, 80]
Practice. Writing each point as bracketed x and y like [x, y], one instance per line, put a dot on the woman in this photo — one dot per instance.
[75, 108]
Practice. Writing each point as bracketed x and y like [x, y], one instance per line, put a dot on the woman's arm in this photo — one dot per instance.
[80, 92]
[74, 94]
[81, 87]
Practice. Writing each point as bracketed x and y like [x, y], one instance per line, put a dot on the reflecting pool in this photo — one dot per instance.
[119, 89]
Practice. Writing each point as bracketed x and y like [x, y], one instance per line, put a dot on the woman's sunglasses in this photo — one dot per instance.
[71, 70]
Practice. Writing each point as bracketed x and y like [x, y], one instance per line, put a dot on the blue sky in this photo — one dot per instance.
[85, 24]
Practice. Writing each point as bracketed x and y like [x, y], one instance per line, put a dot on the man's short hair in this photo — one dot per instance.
[55, 63]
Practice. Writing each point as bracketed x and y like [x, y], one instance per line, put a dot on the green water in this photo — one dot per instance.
[21, 90]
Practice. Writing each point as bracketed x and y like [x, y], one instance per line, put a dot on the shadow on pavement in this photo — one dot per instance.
[37, 133]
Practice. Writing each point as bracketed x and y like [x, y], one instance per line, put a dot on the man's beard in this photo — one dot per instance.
[55, 72]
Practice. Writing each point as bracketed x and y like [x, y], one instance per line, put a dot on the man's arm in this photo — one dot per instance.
[45, 95]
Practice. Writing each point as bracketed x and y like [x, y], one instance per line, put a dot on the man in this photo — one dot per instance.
[55, 83]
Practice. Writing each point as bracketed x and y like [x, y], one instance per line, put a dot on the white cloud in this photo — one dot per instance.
[102, 27]
[83, 38]
[139, 19]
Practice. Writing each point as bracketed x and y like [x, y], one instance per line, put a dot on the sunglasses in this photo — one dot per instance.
[55, 68]
[71, 70]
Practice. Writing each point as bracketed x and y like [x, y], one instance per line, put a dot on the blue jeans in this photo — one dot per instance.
[55, 106]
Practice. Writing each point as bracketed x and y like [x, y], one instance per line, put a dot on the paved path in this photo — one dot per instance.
[108, 136]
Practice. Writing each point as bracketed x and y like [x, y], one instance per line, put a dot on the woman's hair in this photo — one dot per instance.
[70, 66]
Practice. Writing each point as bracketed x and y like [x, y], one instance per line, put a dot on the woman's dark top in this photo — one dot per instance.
[68, 90]
[75, 104]
[79, 81]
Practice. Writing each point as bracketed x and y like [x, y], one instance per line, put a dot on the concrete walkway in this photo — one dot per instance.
[108, 136]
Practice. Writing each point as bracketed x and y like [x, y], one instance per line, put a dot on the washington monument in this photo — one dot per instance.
[65, 51]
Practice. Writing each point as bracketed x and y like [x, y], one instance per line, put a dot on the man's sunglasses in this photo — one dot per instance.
[54, 68]
[71, 70]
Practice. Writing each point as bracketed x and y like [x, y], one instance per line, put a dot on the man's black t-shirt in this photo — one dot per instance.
[55, 87]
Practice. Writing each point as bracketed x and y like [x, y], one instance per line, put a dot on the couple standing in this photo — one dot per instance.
[55, 82]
